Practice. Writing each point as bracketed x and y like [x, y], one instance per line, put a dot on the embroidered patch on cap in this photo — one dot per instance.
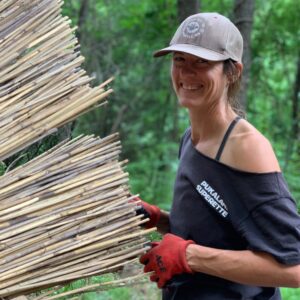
[193, 28]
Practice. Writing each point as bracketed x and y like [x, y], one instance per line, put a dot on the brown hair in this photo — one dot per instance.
[235, 80]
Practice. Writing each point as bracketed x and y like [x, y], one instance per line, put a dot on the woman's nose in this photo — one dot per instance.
[188, 69]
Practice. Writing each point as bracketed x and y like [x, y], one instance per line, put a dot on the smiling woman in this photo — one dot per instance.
[233, 230]
[196, 78]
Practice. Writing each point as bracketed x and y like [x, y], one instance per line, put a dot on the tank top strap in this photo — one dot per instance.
[226, 135]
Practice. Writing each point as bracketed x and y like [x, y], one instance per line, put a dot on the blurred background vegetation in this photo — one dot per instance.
[118, 38]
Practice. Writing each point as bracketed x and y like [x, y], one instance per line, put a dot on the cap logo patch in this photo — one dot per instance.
[193, 28]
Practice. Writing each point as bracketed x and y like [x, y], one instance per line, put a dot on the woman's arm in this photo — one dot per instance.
[248, 150]
[163, 225]
[245, 267]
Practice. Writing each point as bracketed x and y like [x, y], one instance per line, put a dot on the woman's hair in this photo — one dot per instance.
[231, 70]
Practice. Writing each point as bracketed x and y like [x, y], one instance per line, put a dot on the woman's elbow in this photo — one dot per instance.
[297, 283]
[294, 277]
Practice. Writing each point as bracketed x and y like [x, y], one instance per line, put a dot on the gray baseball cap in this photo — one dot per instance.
[207, 35]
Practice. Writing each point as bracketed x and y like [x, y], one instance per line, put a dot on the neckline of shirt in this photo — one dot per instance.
[225, 165]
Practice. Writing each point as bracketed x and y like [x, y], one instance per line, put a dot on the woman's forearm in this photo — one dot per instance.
[163, 225]
[246, 267]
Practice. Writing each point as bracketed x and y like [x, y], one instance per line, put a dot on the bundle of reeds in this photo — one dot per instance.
[42, 85]
[65, 215]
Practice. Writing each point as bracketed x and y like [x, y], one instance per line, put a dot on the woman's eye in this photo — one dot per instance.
[178, 59]
[202, 61]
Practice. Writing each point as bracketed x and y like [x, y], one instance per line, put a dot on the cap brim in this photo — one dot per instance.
[194, 50]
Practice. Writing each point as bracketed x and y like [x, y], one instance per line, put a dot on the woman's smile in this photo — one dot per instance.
[190, 87]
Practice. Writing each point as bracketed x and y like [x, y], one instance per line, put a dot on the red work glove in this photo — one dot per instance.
[149, 211]
[166, 259]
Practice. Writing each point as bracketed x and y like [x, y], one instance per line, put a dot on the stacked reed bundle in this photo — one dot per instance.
[65, 215]
[42, 85]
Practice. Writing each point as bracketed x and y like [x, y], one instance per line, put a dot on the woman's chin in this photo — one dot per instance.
[188, 103]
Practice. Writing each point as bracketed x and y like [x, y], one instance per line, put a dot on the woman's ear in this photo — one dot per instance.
[236, 72]
[239, 67]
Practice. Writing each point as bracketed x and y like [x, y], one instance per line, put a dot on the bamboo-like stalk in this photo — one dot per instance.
[97, 287]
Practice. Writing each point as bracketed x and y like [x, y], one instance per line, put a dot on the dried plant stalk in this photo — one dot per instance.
[66, 215]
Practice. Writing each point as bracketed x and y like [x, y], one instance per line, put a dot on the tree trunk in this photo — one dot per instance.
[186, 8]
[243, 19]
[66, 131]
[83, 12]
[295, 104]
[293, 141]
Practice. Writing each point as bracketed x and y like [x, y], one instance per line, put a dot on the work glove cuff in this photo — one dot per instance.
[152, 212]
[149, 211]
[184, 262]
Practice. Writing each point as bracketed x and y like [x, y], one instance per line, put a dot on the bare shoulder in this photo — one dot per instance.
[249, 150]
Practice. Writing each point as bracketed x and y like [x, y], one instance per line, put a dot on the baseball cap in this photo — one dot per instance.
[207, 35]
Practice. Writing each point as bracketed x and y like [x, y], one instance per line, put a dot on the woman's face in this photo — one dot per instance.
[198, 82]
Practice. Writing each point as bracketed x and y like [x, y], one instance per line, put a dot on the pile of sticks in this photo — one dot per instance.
[42, 85]
[66, 215]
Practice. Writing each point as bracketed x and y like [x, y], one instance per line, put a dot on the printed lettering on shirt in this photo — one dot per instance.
[212, 198]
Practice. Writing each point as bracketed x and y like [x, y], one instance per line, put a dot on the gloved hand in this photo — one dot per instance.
[149, 211]
[167, 258]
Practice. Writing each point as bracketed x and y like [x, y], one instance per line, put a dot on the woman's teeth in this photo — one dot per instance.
[190, 87]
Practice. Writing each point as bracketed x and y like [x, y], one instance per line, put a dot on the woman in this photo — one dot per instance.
[233, 231]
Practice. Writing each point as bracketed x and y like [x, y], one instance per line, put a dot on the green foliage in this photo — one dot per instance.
[143, 106]
[290, 294]
[35, 149]
[2, 168]
[144, 109]
[275, 54]
[140, 291]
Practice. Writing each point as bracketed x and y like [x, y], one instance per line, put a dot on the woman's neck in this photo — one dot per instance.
[210, 125]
